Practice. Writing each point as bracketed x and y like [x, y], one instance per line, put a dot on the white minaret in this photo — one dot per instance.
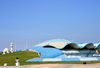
[11, 47]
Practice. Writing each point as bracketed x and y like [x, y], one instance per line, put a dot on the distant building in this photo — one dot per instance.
[64, 50]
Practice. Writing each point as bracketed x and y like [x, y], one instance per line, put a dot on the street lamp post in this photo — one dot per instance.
[17, 61]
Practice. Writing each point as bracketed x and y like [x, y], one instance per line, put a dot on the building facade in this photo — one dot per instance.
[64, 50]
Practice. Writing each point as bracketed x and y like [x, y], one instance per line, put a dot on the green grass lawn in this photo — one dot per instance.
[25, 55]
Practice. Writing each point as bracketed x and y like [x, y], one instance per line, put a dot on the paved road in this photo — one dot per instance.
[57, 66]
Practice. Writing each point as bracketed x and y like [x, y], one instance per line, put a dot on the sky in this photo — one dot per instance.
[36, 21]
